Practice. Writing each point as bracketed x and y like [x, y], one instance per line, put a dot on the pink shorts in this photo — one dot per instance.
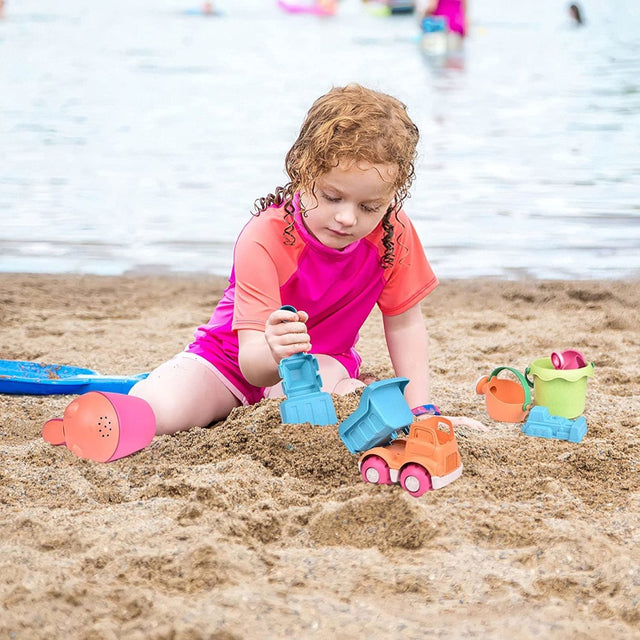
[225, 381]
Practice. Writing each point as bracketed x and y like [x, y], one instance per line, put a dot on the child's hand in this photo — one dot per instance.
[286, 333]
[462, 421]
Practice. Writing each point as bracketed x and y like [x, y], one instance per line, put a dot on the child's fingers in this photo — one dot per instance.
[293, 337]
[462, 421]
[289, 344]
[292, 331]
[283, 315]
[288, 314]
[286, 332]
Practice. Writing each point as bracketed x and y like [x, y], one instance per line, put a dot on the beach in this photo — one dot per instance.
[255, 529]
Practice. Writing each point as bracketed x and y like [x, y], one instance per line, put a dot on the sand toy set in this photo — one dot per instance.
[559, 385]
[394, 446]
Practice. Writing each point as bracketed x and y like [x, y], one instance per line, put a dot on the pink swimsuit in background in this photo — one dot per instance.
[453, 11]
[338, 289]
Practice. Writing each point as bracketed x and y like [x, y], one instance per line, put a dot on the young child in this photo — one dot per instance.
[575, 13]
[454, 13]
[332, 242]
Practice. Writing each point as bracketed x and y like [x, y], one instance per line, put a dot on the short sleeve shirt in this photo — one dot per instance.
[337, 288]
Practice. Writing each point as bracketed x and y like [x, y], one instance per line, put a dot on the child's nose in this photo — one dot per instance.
[346, 215]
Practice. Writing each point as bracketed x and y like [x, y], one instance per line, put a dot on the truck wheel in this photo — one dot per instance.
[415, 479]
[375, 470]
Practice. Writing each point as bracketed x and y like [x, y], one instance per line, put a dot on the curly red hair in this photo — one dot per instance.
[350, 123]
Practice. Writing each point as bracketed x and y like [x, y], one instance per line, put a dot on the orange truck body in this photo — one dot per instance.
[431, 443]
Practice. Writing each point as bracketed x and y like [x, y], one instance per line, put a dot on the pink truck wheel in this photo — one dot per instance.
[375, 470]
[415, 480]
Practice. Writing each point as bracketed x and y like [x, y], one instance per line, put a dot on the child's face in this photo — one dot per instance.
[351, 201]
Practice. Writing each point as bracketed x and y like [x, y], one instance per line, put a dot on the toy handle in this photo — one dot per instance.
[527, 371]
[294, 356]
[288, 307]
[523, 380]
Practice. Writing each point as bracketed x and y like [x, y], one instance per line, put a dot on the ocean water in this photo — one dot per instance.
[135, 136]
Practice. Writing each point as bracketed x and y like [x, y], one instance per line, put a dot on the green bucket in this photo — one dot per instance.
[562, 391]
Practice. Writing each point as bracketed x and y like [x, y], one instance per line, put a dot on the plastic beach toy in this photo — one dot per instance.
[103, 426]
[507, 401]
[427, 459]
[562, 391]
[381, 414]
[36, 378]
[543, 425]
[301, 383]
[569, 359]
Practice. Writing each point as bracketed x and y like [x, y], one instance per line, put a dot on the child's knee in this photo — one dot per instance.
[347, 385]
[335, 377]
[163, 405]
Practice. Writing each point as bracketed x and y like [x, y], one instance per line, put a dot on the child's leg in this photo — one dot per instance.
[338, 379]
[335, 378]
[185, 393]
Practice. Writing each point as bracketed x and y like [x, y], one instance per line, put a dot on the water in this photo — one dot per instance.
[134, 137]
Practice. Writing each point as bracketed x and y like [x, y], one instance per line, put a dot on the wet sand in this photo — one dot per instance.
[254, 529]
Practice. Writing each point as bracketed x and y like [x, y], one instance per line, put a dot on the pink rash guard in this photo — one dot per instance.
[453, 11]
[337, 288]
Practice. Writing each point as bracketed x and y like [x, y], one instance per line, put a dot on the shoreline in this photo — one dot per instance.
[253, 528]
[515, 274]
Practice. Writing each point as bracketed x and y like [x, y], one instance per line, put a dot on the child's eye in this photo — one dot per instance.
[329, 198]
[370, 209]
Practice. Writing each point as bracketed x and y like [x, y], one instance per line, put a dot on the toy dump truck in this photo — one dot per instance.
[426, 459]
[382, 415]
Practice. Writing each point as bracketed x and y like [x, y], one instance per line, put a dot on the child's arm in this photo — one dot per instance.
[432, 5]
[408, 346]
[259, 353]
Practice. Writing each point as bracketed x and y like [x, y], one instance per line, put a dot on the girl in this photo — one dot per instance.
[454, 13]
[332, 242]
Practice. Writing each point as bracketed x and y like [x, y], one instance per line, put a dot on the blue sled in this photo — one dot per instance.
[382, 412]
[301, 383]
[543, 425]
[35, 378]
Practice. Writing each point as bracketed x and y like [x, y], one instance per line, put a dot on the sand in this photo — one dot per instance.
[254, 529]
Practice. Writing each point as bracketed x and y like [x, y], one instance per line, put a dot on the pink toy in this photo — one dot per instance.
[569, 359]
[103, 426]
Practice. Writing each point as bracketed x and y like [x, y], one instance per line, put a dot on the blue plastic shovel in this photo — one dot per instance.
[34, 378]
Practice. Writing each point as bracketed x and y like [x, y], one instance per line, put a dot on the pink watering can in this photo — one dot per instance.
[569, 359]
[103, 426]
